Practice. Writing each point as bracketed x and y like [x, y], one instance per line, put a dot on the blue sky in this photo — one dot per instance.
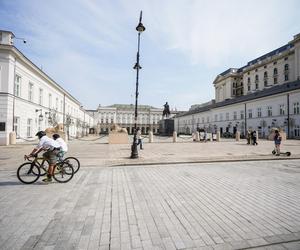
[89, 47]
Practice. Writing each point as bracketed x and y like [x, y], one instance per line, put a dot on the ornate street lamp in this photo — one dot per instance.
[140, 28]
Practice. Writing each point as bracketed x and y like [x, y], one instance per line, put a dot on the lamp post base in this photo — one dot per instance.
[134, 151]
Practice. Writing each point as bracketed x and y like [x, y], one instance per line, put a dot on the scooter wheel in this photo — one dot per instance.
[273, 152]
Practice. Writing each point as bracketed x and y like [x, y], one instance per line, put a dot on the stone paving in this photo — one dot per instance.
[93, 151]
[238, 205]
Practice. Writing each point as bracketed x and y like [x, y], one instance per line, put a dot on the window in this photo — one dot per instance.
[266, 78]
[286, 72]
[18, 85]
[202, 119]
[286, 58]
[56, 103]
[242, 114]
[275, 80]
[207, 119]
[41, 96]
[234, 115]
[275, 72]
[258, 112]
[29, 127]
[50, 101]
[216, 117]
[265, 66]
[227, 116]
[221, 117]
[249, 113]
[17, 126]
[256, 81]
[269, 109]
[30, 91]
[296, 108]
[274, 63]
[281, 109]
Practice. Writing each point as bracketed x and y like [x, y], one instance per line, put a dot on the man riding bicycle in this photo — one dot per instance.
[51, 147]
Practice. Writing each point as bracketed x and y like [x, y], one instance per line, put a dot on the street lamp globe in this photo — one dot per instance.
[140, 28]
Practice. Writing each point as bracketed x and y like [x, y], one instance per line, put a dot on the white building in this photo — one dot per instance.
[30, 100]
[123, 115]
[263, 94]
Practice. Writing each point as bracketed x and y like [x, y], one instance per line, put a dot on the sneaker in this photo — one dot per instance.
[47, 179]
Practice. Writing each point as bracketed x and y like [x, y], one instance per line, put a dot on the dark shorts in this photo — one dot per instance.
[51, 156]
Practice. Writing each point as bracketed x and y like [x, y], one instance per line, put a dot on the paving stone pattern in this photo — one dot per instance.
[197, 206]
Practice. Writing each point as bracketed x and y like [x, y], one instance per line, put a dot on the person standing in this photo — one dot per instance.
[139, 138]
[277, 141]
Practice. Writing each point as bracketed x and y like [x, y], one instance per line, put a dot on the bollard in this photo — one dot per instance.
[218, 136]
[150, 136]
[12, 137]
[197, 136]
[238, 136]
[174, 136]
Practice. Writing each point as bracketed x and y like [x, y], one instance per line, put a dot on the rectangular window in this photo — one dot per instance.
[18, 85]
[242, 114]
[227, 116]
[216, 118]
[30, 91]
[286, 77]
[234, 115]
[296, 108]
[17, 126]
[2, 124]
[29, 127]
[269, 109]
[275, 80]
[41, 96]
[50, 101]
[249, 113]
[281, 109]
[221, 117]
[258, 112]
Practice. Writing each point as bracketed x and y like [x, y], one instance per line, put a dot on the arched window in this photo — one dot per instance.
[256, 77]
[266, 74]
[275, 72]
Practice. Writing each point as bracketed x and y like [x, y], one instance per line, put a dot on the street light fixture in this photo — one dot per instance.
[41, 117]
[140, 28]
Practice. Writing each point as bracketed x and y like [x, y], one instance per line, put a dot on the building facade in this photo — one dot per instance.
[123, 115]
[31, 101]
[263, 94]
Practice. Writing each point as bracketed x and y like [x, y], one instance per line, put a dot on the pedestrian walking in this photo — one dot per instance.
[254, 138]
[139, 138]
[277, 141]
[248, 136]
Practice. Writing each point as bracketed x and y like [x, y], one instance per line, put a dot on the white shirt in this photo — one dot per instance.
[47, 143]
[62, 144]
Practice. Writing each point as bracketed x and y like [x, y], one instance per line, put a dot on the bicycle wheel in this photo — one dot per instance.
[74, 162]
[28, 173]
[63, 172]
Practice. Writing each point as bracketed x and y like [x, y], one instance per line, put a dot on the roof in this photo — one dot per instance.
[129, 106]
[258, 59]
[278, 89]
[8, 32]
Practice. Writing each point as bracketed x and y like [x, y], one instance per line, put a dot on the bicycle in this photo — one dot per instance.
[29, 172]
[74, 162]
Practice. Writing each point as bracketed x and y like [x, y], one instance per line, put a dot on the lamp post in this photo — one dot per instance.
[140, 28]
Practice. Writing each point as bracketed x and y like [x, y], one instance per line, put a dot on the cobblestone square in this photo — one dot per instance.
[234, 205]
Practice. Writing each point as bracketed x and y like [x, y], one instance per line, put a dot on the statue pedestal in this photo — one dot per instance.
[117, 138]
